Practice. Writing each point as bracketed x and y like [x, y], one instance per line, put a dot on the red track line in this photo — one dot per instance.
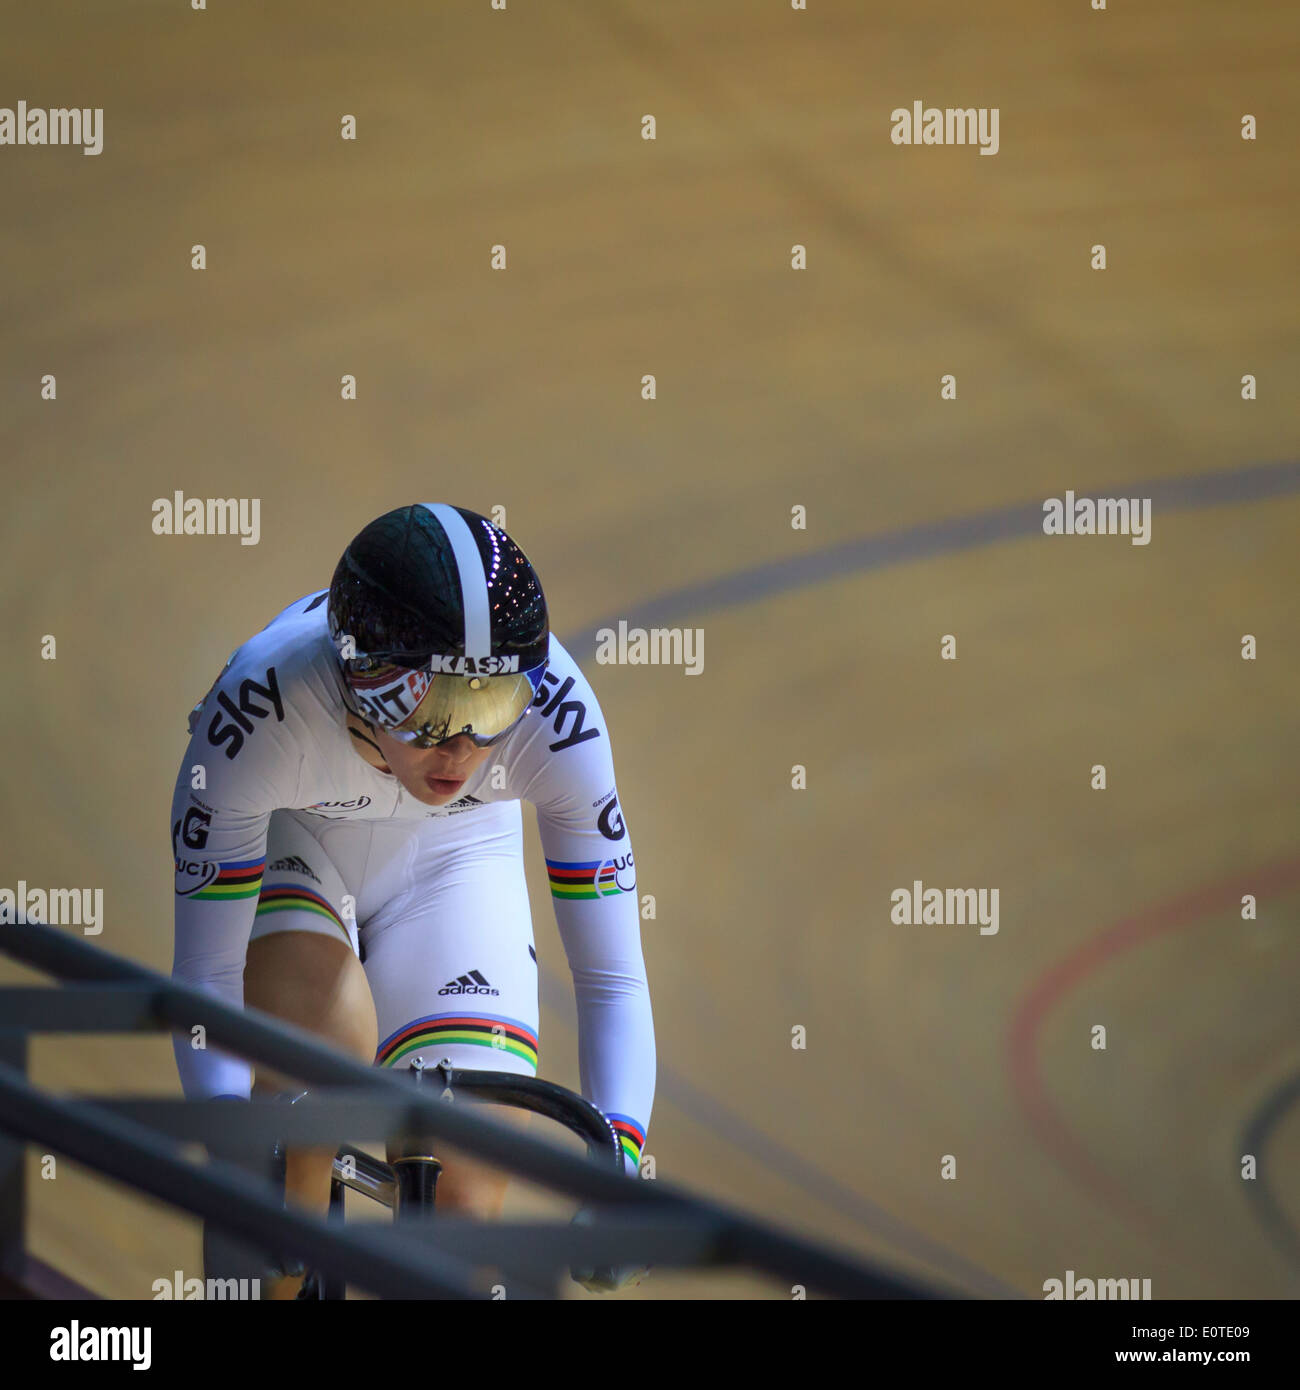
[1058, 980]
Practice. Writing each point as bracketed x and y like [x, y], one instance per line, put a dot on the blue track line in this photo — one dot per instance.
[928, 541]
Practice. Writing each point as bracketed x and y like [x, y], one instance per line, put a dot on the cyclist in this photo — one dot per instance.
[348, 836]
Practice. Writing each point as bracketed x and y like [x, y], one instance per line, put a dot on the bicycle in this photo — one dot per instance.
[408, 1185]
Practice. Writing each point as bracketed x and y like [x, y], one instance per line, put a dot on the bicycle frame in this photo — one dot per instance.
[408, 1186]
[374, 1178]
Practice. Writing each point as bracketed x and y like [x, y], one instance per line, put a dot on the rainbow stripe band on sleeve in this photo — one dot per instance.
[631, 1136]
[594, 878]
[446, 1030]
[287, 898]
[242, 880]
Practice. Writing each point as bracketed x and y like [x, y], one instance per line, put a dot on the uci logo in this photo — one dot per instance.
[624, 873]
[191, 875]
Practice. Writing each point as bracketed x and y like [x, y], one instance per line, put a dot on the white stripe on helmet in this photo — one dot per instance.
[473, 580]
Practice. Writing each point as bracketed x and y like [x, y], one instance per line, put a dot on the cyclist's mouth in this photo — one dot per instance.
[444, 786]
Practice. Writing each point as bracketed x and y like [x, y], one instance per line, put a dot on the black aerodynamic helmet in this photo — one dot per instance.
[441, 625]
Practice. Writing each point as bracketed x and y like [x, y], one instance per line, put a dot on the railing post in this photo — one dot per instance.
[225, 1256]
[13, 1171]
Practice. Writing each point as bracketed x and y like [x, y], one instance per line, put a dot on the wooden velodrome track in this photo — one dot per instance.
[776, 389]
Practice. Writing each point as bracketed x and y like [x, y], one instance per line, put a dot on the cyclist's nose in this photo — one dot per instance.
[456, 750]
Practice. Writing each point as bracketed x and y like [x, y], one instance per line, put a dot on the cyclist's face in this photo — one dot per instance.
[432, 775]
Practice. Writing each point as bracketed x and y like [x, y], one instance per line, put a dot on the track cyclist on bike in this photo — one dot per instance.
[348, 836]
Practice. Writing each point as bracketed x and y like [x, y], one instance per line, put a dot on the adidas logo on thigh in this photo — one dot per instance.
[473, 983]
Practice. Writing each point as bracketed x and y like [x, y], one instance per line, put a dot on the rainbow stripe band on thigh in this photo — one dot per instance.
[447, 1030]
[288, 899]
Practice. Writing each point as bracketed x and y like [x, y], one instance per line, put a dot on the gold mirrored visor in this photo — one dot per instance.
[424, 708]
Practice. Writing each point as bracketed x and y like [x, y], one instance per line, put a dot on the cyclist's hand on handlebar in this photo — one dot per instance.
[604, 1278]
[610, 1279]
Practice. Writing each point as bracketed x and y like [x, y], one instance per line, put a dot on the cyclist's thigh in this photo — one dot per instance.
[450, 956]
[303, 887]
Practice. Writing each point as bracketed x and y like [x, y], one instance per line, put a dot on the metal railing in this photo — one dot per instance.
[140, 1141]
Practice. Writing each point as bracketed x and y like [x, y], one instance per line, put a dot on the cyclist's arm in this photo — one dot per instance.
[593, 890]
[616, 1039]
[221, 809]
